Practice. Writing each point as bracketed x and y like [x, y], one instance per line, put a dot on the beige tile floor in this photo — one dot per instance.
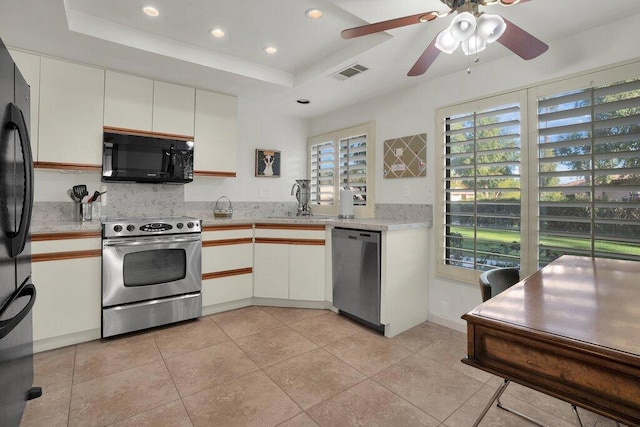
[269, 366]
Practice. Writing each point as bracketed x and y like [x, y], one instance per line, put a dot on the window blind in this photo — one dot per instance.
[322, 166]
[589, 172]
[353, 167]
[483, 188]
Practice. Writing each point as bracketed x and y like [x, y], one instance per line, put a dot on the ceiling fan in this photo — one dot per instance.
[470, 28]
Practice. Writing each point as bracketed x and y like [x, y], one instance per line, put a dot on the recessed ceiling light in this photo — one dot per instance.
[303, 101]
[150, 10]
[217, 33]
[270, 50]
[314, 13]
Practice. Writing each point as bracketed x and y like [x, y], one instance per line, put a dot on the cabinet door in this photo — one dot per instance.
[29, 66]
[306, 272]
[128, 101]
[216, 132]
[71, 113]
[69, 299]
[173, 109]
[271, 270]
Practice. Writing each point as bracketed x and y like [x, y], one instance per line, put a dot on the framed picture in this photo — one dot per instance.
[267, 163]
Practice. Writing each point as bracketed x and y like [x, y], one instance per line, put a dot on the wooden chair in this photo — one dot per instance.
[492, 283]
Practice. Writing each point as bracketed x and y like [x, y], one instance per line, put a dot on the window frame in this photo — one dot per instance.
[528, 97]
[367, 129]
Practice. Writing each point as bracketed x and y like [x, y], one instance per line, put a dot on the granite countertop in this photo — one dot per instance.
[373, 224]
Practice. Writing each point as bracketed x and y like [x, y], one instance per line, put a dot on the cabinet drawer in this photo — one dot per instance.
[228, 257]
[227, 289]
[292, 234]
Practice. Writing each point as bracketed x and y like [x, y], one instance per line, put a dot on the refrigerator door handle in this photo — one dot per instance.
[6, 326]
[19, 238]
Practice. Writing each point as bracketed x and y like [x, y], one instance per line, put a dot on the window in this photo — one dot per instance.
[589, 172]
[529, 176]
[342, 160]
[482, 185]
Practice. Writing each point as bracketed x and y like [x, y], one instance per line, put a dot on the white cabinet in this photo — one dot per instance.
[404, 281]
[216, 132]
[67, 273]
[71, 113]
[29, 66]
[289, 262]
[128, 101]
[227, 264]
[173, 109]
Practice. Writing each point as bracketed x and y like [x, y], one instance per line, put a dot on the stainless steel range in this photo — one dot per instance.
[151, 272]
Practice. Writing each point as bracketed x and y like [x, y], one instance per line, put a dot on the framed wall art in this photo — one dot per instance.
[267, 163]
[405, 157]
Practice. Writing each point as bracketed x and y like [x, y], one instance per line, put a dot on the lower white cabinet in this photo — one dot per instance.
[227, 264]
[289, 262]
[67, 273]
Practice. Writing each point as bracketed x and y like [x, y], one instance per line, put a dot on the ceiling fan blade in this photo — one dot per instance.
[520, 42]
[388, 25]
[426, 59]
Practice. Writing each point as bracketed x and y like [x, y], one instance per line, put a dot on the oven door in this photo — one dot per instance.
[139, 269]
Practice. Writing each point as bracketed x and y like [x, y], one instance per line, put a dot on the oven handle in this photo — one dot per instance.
[152, 241]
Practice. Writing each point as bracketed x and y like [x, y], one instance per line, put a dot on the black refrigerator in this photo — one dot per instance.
[17, 292]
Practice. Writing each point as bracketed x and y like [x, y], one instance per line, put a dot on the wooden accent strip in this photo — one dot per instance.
[227, 273]
[41, 237]
[313, 227]
[67, 166]
[57, 256]
[280, 241]
[136, 132]
[226, 242]
[227, 227]
[222, 174]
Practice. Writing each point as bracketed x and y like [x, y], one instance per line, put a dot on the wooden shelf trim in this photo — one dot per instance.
[58, 256]
[67, 166]
[312, 227]
[222, 174]
[136, 132]
[227, 242]
[281, 241]
[42, 237]
[227, 227]
[227, 273]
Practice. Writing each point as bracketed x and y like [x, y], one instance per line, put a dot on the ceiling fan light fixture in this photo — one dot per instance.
[473, 45]
[446, 42]
[490, 27]
[463, 26]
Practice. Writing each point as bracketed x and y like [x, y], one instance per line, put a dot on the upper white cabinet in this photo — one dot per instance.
[29, 66]
[216, 132]
[71, 113]
[173, 109]
[128, 101]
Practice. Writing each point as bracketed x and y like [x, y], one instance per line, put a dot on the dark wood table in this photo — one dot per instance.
[570, 330]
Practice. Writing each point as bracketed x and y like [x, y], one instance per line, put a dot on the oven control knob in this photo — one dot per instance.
[180, 225]
[117, 228]
[190, 224]
[130, 227]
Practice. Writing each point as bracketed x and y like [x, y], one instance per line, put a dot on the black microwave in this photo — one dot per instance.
[146, 159]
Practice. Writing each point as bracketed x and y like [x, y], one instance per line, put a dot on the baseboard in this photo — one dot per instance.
[226, 306]
[275, 302]
[65, 340]
[459, 325]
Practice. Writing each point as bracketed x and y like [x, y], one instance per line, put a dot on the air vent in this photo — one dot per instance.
[350, 71]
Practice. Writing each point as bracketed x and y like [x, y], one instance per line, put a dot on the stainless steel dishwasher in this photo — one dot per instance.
[356, 274]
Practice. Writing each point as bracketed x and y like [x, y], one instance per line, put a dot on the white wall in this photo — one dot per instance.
[259, 128]
[413, 110]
